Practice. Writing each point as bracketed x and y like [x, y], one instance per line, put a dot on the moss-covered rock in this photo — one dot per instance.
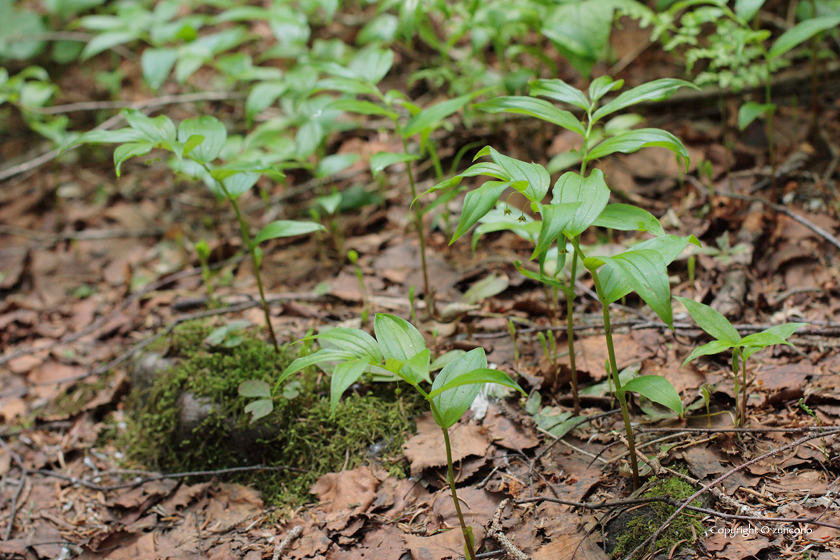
[188, 416]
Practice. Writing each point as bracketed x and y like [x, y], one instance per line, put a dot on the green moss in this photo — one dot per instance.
[74, 400]
[651, 517]
[301, 432]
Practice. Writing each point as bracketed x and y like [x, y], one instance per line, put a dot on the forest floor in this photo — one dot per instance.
[95, 268]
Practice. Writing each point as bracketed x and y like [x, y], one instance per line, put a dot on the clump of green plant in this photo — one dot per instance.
[201, 141]
[398, 353]
[580, 201]
[302, 430]
[684, 529]
[360, 79]
[727, 337]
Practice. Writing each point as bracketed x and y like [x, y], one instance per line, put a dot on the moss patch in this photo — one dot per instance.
[648, 519]
[300, 432]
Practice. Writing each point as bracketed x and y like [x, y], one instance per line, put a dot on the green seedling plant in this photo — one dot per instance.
[580, 201]
[580, 206]
[727, 337]
[359, 80]
[202, 249]
[398, 353]
[201, 141]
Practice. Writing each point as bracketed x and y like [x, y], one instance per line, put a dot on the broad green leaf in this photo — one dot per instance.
[535, 176]
[711, 321]
[372, 63]
[213, 131]
[773, 335]
[451, 404]
[480, 376]
[534, 108]
[602, 85]
[416, 369]
[646, 272]
[543, 279]
[746, 9]
[559, 90]
[109, 137]
[441, 361]
[800, 33]
[658, 389]
[356, 341]
[397, 338]
[260, 408]
[262, 96]
[156, 65]
[656, 90]
[335, 163]
[132, 149]
[219, 335]
[285, 228]
[106, 41]
[634, 140]
[362, 108]
[239, 183]
[379, 161]
[592, 192]
[476, 204]
[751, 111]
[430, 117]
[344, 375]
[320, 357]
[555, 219]
[158, 130]
[487, 168]
[626, 217]
[255, 388]
[713, 347]
[352, 86]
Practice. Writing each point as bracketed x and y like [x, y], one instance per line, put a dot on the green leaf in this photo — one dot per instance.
[656, 90]
[255, 388]
[487, 287]
[441, 361]
[380, 160]
[555, 219]
[429, 118]
[538, 108]
[236, 181]
[372, 63]
[602, 85]
[356, 341]
[711, 321]
[634, 140]
[451, 404]
[476, 204]
[343, 376]
[156, 65]
[646, 272]
[259, 409]
[262, 96]
[773, 335]
[285, 228]
[397, 338]
[416, 369]
[746, 9]
[592, 192]
[219, 335]
[132, 149]
[626, 217]
[159, 130]
[105, 41]
[534, 175]
[362, 108]
[658, 389]
[335, 163]
[751, 111]
[543, 279]
[559, 90]
[214, 134]
[713, 347]
[484, 375]
[800, 33]
[319, 357]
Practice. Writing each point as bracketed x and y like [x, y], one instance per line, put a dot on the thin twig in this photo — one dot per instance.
[721, 478]
[24, 472]
[283, 546]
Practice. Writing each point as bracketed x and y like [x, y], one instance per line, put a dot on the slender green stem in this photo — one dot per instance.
[451, 475]
[619, 390]
[768, 99]
[743, 393]
[570, 333]
[418, 221]
[435, 161]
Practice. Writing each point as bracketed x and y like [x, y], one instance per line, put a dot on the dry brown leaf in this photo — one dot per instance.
[427, 448]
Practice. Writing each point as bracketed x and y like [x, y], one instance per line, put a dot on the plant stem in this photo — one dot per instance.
[570, 333]
[451, 475]
[743, 392]
[418, 221]
[619, 391]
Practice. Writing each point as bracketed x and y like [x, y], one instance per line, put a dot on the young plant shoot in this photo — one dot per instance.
[398, 353]
[726, 337]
